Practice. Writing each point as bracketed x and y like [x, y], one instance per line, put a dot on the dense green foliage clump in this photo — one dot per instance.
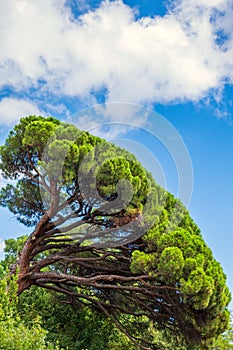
[177, 255]
[106, 239]
[15, 332]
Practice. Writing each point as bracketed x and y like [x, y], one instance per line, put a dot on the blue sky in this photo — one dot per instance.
[60, 57]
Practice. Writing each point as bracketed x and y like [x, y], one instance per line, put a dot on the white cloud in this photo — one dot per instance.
[2, 181]
[159, 59]
[2, 246]
[12, 109]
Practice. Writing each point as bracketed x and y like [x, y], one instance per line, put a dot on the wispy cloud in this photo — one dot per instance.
[12, 109]
[181, 56]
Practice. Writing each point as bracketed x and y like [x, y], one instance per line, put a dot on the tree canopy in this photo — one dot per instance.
[106, 235]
